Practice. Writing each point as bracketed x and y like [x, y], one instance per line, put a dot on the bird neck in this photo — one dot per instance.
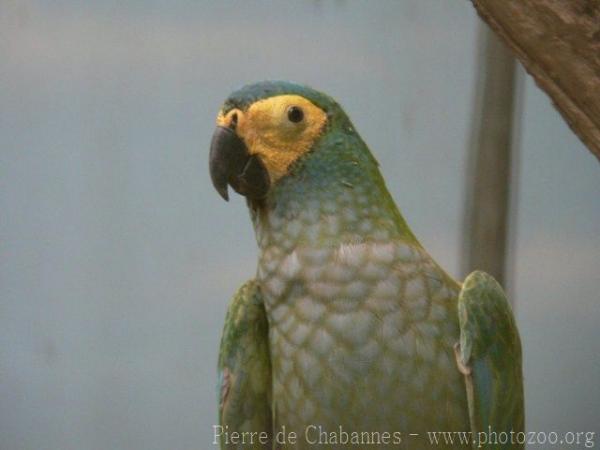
[332, 196]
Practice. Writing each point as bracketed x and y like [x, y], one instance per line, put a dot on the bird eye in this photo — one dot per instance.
[295, 114]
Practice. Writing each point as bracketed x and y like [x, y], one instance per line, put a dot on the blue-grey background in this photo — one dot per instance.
[117, 258]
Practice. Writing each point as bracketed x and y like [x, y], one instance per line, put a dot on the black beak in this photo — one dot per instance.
[230, 163]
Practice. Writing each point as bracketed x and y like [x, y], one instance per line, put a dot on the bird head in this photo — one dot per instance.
[263, 130]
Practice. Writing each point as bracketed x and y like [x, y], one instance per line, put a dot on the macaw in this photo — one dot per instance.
[350, 335]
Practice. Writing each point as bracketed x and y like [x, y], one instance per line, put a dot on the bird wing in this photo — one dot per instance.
[245, 372]
[489, 355]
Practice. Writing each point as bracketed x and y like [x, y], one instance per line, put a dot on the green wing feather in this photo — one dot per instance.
[245, 371]
[490, 357]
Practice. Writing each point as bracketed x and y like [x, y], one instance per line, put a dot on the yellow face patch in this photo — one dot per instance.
[279, 129]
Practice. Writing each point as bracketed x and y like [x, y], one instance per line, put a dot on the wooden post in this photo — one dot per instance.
[488, 168]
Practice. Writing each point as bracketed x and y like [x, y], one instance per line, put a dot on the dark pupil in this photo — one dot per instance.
[295, 114]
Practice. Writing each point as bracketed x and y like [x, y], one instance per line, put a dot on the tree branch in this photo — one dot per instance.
[558, 42]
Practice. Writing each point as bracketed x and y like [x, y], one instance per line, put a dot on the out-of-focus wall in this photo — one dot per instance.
[117, 258]
[556, 271]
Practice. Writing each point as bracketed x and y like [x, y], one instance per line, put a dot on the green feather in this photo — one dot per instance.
[245, 369]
